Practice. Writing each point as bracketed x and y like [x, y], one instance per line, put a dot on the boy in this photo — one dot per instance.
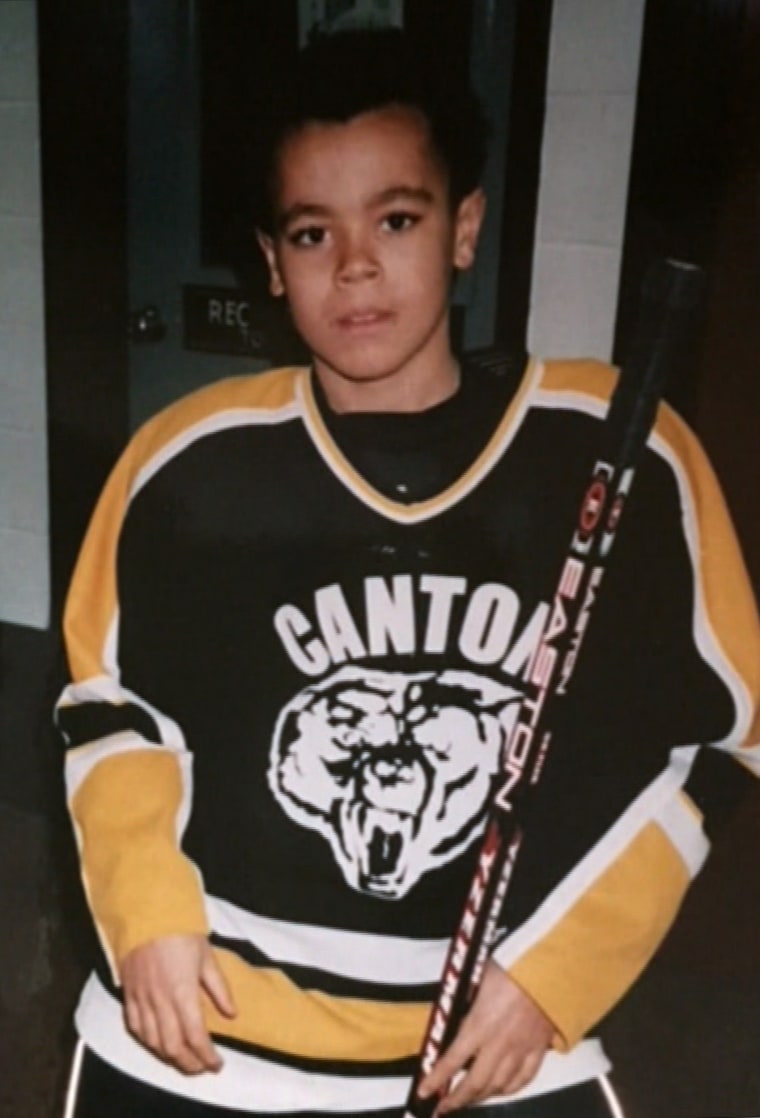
[324, 586]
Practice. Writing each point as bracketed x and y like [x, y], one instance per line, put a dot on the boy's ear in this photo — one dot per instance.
[266, 244]
[469, 218]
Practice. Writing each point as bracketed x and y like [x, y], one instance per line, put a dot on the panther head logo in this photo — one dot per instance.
[394, 770]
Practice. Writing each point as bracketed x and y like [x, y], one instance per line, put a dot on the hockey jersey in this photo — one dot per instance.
[289, 699]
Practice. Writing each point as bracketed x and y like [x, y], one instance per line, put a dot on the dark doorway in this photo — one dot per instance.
[694, 195]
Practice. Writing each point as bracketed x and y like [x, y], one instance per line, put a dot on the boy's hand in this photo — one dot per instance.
[162, 983]
[501, 1044]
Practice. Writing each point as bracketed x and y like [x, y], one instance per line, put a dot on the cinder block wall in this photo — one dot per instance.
[588, 134]
[24, 542]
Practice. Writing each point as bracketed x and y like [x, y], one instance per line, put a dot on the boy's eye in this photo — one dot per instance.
[399, 221]
[307, 236]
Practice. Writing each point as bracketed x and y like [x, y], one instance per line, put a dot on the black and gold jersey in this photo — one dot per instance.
[294, 668]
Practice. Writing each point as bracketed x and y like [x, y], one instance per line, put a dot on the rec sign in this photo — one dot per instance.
[218, 320]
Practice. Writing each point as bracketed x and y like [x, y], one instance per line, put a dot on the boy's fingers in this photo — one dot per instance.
[195, 1050]
[149, 1032]
[498, 1050]
[198, 1042]
[141, 1023]
[464, 1093]
[454, 1059]
[476, 1082]
[133, 1017]
[162, 985]
[474, 1085]
[527, 1071]
[183, 1039]
[141, 1020]
[491, 1073]
[216, 986]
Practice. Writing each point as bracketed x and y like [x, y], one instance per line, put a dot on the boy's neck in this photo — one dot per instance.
[391, 393]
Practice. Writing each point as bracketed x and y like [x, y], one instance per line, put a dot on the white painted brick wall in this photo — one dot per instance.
[24, 536]
[591, 101]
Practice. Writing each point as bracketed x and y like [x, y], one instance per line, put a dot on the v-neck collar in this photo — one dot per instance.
[353, 480]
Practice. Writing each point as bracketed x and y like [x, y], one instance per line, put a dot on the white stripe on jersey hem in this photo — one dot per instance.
[368, 957]
[646, 808]
[245, 1082]
[253, 1083]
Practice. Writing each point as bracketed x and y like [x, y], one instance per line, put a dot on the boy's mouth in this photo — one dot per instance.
[363, 319]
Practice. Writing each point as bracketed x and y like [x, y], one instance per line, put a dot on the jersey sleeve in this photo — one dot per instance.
[674, 673]
[128, 770]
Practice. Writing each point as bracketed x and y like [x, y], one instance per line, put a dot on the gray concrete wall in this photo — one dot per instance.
[588, 135]
[24, 542]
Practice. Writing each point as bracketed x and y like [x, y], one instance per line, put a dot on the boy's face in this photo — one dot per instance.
[364, 248]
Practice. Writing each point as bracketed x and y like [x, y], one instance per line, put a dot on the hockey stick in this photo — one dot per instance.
[670, 292]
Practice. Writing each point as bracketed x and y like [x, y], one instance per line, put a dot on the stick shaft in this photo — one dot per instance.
[669, 295]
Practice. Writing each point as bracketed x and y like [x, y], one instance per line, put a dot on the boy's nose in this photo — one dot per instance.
[356, 261]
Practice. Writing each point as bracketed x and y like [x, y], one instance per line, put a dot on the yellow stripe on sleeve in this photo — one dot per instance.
[581, 968]
[139, 884]
[276, 1014]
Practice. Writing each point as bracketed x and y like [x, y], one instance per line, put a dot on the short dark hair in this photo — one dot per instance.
[340, 76]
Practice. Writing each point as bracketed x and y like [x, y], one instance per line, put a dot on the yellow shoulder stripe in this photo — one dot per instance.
[91, 606]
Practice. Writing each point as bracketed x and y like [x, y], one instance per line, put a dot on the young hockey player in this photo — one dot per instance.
[297, 634]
